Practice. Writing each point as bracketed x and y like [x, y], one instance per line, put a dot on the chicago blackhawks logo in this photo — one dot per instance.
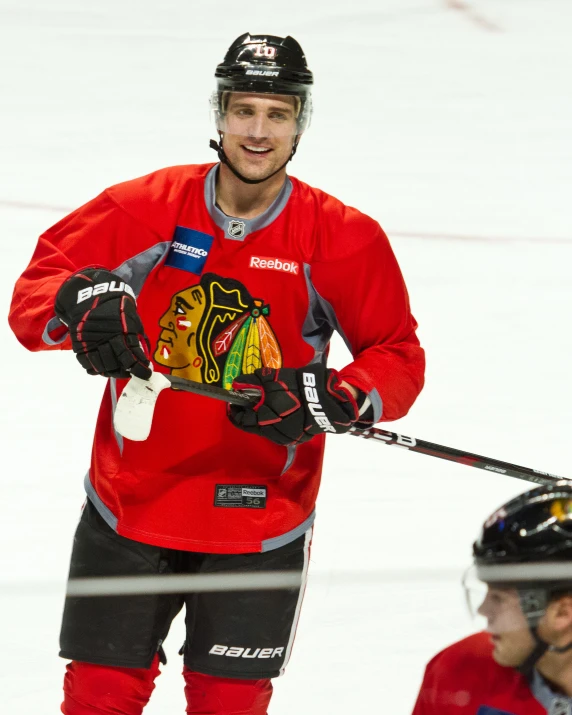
[214, 330]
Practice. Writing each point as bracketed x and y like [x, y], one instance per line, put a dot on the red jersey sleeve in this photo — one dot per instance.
[97, 234]
[121, 227]
[368, 295]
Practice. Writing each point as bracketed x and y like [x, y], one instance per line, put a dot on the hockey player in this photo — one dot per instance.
[522, 664]
[231, 274]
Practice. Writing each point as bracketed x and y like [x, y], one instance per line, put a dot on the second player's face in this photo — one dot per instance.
[510, 635]
[259, 132]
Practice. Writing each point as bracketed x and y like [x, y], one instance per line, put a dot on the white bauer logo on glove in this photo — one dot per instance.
[314, 402]
[100, 288]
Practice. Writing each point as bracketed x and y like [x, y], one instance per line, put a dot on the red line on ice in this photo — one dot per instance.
[435, 235]
[473, 15]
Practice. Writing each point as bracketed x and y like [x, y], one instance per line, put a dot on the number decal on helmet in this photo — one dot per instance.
[264, 51]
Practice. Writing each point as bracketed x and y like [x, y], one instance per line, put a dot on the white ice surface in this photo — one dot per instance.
[453, 128]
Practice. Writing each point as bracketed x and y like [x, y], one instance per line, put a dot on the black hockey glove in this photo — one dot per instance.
[294, 404]
[106, 332]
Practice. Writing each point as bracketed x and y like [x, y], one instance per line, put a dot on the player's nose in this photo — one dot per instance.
[259, 127]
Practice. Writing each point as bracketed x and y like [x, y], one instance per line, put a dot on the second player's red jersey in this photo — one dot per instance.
[464, 679]
[219, 296]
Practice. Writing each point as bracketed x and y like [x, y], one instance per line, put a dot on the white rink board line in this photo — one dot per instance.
[211, 583]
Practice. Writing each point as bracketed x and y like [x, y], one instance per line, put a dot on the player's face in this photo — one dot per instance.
[259, 132]
[507, 624]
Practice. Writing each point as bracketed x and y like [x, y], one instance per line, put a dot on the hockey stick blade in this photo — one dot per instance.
[133, 417]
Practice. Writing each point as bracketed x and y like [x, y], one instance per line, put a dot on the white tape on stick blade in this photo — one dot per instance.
[134, 412]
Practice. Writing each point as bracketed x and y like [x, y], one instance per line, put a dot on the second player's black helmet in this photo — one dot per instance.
[533, 527]
[527, 544]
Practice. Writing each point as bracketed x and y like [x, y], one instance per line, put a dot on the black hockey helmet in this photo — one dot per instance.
[263, 64]
[267, 64]
[533, 528]
[526, 544]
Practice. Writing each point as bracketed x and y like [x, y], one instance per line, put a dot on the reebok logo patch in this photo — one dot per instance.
[275, 264]
[247, 496]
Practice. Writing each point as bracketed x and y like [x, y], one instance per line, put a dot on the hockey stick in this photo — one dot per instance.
[134, 412]
[134, 415]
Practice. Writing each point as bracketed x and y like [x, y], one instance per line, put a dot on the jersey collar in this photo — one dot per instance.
[553, 703]
[235, 228]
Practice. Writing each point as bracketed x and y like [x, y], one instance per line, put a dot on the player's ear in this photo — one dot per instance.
[559, 614]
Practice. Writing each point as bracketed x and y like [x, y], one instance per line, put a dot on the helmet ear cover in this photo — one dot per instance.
[535, 599]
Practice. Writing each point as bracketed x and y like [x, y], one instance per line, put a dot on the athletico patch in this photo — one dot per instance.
[486, 710]
[274, 264]
[189, 250]
[240, 495]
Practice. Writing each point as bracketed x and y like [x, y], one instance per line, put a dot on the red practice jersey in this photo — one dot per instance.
[464, 679]
[219, 296]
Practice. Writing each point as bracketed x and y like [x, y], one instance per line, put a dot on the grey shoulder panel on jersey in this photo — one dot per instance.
[317, 329]
[133, 271]
[136, 269]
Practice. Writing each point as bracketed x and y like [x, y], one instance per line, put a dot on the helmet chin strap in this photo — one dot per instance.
[540, 649]
[217, 146]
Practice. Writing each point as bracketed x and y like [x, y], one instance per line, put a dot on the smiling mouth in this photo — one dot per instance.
[254, 150]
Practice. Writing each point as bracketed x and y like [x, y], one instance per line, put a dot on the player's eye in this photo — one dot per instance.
[498, 599]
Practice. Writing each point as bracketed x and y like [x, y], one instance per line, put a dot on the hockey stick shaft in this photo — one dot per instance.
[457, 455]
[234, 397]
[450, 454]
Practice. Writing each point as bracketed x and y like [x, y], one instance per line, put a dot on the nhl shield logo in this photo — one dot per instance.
[236, 229]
